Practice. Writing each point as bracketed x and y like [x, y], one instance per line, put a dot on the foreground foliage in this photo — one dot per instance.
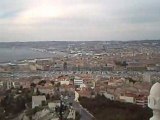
[104, 109]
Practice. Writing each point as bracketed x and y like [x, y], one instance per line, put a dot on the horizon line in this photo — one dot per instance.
[81, 41]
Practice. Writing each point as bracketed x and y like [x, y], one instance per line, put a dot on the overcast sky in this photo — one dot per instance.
[37, 20]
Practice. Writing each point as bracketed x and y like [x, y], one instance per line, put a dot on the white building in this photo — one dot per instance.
[8, 84]
[37, 100]
[16, 84]
[78, 81]
[64, 82]
[128, 99]
[1, 83]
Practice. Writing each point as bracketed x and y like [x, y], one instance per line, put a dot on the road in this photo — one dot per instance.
[85, 115]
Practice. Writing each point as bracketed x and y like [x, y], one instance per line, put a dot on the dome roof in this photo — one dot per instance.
[155, 90]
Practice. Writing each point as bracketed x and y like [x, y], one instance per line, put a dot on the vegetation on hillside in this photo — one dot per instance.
[104, 109]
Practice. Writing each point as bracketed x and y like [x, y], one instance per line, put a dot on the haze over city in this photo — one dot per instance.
[49, 20]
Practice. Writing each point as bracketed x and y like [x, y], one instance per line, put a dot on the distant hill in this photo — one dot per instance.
[45, 44]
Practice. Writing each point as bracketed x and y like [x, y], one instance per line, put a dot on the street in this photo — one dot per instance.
[85, 115]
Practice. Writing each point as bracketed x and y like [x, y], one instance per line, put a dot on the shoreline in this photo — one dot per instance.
[48, 55]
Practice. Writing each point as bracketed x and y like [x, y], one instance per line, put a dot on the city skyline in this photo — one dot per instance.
[27, 20]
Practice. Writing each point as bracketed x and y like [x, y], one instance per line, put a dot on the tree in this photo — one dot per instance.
[44, 103]
[42, 82]
[52, 82]
[78, 68]
[131, 80]
[124, 63]
[19, 104]
[2, 113]
[33, 85]
[72, 78]
[120, 63]
[28, 96]
[38, 92]
[31, 112]
[58, 85]
[78, 116]
[47, 96]
[65, 66]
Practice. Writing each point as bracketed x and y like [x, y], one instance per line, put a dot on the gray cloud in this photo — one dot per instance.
[79, 20]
